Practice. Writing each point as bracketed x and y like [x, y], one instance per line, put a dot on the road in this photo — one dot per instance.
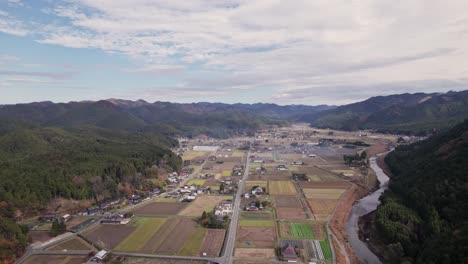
[231, 236]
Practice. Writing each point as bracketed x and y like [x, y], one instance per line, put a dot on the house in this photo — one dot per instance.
[297, 163]
[251, 208]
[312, 156]
[117, 218]
[257, 190]
[223, 208]
[66, 217]
[47, 217]
[288, 253]
[247, 195]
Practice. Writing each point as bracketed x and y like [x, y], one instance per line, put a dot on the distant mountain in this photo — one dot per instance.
[423, 215]
[403, 113]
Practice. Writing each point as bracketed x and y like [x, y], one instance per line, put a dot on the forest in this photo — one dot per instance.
[423, 215]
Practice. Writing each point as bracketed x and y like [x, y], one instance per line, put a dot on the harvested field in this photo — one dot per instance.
[344, 171]
[260, 253]
[281, 188]
[76, 220]
[226, 173]
[39, 236]
[213, 242]
[287, 201]
[210, 182]
[157, 208]
[256, 236]
[238, 154]
[323, 193]
[258, 215]
[109, 236]
[192, 245]
[166, 200]
[325, 185]
[48, 259]
[316, 174]
[146, 228]
[160, 236]
[251, 184]
[290, 213]
[75, 243]
[322, 208]
[189, 155]
[296, 230]
[196, 182]
[256, 223]
[177, 237]
[203, 203]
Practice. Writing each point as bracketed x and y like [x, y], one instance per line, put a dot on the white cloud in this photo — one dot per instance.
[285, 46]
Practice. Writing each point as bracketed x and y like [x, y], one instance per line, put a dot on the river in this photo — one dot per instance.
[364, 206]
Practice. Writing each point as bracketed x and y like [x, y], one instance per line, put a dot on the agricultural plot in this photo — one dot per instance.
[281, 188]
[48, 259]
[256, 223]
[322, 208]
[290, 230]
[290, 213]
[258, 215]
[317, 174]
[192, 246]
[325, 185]
[166, 200]
[323, 193]
[109, 236]
[189, 155]
[257, 237]
[250, 184]
[158, 208]
[176, 238]
[213, 242]
[146, 227]
[256, 253]
[287, 201]
[198, 182]
[202, 203]
[75, 243]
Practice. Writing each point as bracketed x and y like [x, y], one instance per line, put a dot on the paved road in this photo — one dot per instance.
[231, 236]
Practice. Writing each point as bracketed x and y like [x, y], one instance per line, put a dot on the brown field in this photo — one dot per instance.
[260, 253]
[202, 203]
[44, 259]
[322, 208]
[258, 236]
[160, 236]
[323, 193]
[39, 236]
[76, 220]
[281, 188]
[287, 201]
[326, 185]
[316, 174]
[213, 242]
[109, 236]
[71, 244]
[210, 182]
[176, 238]
[154, 209]
[290, 213]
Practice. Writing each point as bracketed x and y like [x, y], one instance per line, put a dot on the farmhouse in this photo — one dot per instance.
[223, 208]
[281, 167]
[117, 218]
[288, 253]
[257, 191]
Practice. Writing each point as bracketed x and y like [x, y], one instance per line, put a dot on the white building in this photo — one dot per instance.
[206, 148]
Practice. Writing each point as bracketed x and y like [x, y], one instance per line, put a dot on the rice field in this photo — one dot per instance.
[192, 246]
[146, 228]
[256, 223]
[281, 188]
[196, 182]
[333, 194]
[296, 230]
[189, 155]
[226, 173]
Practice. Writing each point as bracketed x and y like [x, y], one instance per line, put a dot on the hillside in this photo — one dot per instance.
[418, 113]
[423, 215]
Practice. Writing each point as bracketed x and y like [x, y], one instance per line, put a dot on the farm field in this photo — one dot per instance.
[258, 237]
[202, 203]
[109, 236]
[290, 213]
[258, 215]
[44, 259]
[325, 185]
[165, 200]
[146, 227]
[158, 208]
[316, 174]
[189, 155]
[192, 245]
[287, 201]
[281, 188]
[178, 236]
[256, 253]
[322, 208]
[256, 223]
[290, 230]
[196, 182]
[213, 242]
[323, 193]
[75, 243]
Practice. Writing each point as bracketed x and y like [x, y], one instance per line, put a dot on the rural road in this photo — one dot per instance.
[231, 236]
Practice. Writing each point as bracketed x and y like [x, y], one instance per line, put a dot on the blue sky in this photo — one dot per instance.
[285, 52]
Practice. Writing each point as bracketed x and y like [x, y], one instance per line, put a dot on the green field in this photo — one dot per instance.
[296, 230]
[193, 154]
[257, 215]
[256, 223]
[146, 228]
[326, 249]
[196, 182]
[226, 173]
[193, 245]
[165, 200]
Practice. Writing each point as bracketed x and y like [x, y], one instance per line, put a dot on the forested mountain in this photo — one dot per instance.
[418, 113]
[423, 216]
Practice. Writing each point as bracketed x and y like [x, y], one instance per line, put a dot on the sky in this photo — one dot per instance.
[286, 52]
